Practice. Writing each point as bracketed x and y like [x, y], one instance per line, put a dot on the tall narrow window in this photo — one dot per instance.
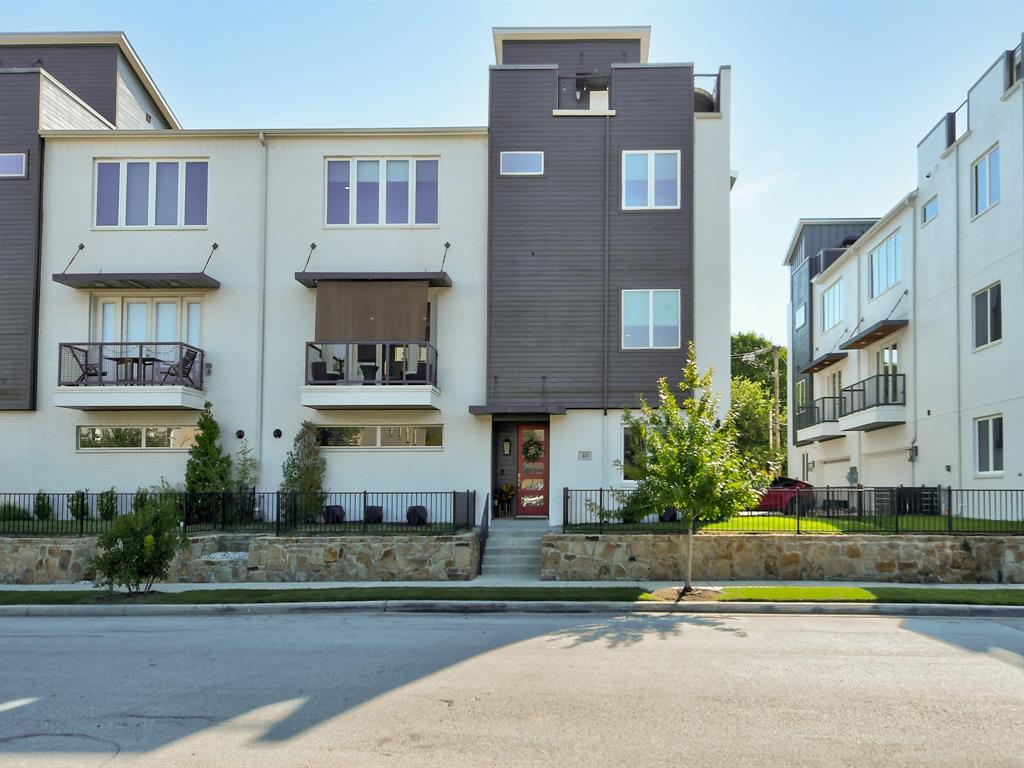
[193, 319]
[426, 191]
[632, 448]
[337, 191]
[988, 444]
[988, 316]
[985, 181]
[650, 319]
[367, 191]
[650, 179]
[800, 316]
[929, 210]
[397, 192]
[196, 190]
[136, 327]
[166, 194]
[136, 207]
[885, 265]
[108, 181]
[832, 306]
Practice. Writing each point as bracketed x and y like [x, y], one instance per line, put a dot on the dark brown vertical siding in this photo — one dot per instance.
[546, 315]
[19, 242]
[90, 71]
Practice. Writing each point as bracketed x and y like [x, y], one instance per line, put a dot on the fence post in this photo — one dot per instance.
[365, 496]
[949, 509]
[600, 506]
[277, 513]
[565, 506]
[223, 510]
[799, 506]
[895, 499]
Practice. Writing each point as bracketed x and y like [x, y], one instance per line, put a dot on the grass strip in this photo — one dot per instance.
[331, 594]
[874, 595]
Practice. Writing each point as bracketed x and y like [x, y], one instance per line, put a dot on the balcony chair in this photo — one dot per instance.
[182, 370]
[318, 373]
[87, 370]
[420, 374]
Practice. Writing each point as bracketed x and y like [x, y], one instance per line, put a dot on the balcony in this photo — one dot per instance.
[581, 95]
[370, 374]
[875, 403]
[155, 375]
[819, 420]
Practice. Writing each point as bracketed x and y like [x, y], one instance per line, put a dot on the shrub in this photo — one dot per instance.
[141, 497]
[207, 473]
[106, 505]
[139, 547]
[78, 505]
[43, 507]
[303, 477]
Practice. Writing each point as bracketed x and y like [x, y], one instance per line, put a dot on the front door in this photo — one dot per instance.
[532, 472]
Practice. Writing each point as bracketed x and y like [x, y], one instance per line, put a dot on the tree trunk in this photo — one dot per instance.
[687, 586]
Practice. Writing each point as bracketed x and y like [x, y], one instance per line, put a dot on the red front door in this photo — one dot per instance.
[532, 472]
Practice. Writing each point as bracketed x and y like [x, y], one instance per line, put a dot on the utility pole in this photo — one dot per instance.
[777, 432]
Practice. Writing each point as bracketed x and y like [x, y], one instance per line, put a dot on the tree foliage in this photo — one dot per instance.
[759, 367]
[207, 469]
[303, 476]
[691, 462]
[750, 414]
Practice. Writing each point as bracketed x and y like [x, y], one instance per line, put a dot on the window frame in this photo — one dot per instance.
[382, 161]
[24, 165]
[122, 193]
[183, 300]
[650, 319]
[925, 219]
[501, 162]
[377, 444]
[990, 420]
[625, 481]
[986, 158]
[651, 206]
[987, 290]
[800, 393]
[802, 309]
[874, 291]
[838, 284]
[143, 448]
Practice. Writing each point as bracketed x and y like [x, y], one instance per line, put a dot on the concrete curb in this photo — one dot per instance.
[525, 606]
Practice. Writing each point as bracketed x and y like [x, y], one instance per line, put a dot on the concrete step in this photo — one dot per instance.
[508, 549]
[505, 570]
[521, 560]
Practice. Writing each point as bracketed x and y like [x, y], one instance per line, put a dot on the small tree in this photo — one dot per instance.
[303, 475]
[208, 471]
[78, 505]
[43, 507]
[106, 505]
[247, 468]
[690, 461]
[139, 547]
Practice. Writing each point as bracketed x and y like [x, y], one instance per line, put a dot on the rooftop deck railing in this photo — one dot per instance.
[369, 363]
[149, 363]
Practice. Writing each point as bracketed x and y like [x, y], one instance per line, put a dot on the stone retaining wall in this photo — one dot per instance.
[754, 557]
[230, 558]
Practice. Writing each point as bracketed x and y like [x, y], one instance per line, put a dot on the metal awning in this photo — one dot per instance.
[874, 333]
[435, 279]
[823, 362]
[505, 409]
[128, 280]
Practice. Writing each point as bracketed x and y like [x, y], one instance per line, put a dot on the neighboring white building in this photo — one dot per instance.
[916, 369]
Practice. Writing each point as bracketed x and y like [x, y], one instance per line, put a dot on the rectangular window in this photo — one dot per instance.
[832, 306]
[930, 210]
[988, 445]
[632, 447]
[386, 436]
[13, 165]
[173, 438]
[521, 163]
[388, 191]
[988, 316]
[131, 319]
[800, 316]
[985, 181]
[151, 193]
[801, 393]
[885, 265]
[650, 319]
[650, 180]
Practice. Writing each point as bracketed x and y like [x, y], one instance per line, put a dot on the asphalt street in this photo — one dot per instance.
[511, 690]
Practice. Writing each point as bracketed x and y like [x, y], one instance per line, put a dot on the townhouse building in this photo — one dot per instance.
[453, 308]
[907, 356]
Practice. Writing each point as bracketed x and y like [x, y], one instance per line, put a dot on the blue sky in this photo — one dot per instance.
[829, 99]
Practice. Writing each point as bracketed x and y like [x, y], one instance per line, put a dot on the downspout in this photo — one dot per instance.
[959, 341]
[913, 336]
[261, 283]
[604, 346]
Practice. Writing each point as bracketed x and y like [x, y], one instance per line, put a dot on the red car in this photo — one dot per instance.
[782, 495]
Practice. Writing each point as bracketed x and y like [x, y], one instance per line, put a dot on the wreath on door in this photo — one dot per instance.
[533, 449]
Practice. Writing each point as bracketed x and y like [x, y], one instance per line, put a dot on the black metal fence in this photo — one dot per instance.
[80, 513]
[926, 510]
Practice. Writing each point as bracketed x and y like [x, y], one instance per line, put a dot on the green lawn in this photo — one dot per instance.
[874, 595]
[788, 524]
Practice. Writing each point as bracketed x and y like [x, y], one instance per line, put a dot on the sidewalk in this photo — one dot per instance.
[499, 581]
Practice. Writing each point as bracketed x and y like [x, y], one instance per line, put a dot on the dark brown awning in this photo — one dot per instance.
[823, 362]
[434, 279]
[524, 409]
[127, 280]
[874, 333]
[371, 311]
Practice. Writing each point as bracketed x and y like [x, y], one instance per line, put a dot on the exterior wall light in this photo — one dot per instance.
[506, 446]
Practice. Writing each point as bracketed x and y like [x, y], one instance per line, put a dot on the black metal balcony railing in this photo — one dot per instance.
[881, 389]
[150, 363]
[822, 410]
[370, 362]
